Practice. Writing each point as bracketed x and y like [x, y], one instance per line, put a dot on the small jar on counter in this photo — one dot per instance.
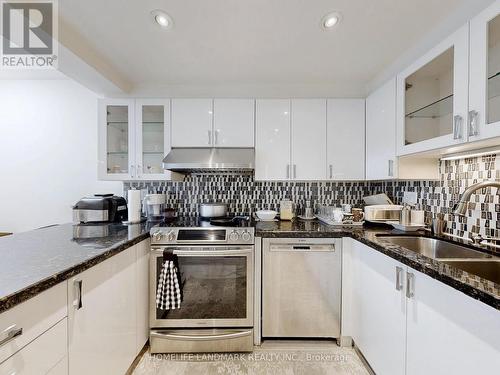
[287, 210]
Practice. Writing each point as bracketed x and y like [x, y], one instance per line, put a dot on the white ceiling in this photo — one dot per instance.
[247, 43]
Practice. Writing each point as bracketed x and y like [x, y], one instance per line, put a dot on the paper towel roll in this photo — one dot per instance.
[134, 205]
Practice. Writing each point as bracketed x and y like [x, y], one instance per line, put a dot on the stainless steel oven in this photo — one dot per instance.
[216, 312]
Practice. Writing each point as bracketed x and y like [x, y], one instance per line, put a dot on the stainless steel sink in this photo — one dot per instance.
[487, 269]
[461, 257]
[434, 248]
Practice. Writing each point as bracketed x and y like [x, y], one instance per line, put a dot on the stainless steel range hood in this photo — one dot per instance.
[189, 160]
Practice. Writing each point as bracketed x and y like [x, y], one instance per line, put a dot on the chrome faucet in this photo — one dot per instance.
[460, 207]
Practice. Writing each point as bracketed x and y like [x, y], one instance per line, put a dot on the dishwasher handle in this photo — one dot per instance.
[302, 247]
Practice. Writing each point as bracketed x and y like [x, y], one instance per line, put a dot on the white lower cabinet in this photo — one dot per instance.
[30, 319]
[142, 294]
[102, 317]
[61, 368]
[44, 355]
[405, 322]
[95, 323]
[449, 332]
[378, 309]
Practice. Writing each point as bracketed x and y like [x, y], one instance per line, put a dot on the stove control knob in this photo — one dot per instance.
[157, 236]
[171, 236]
[246, 236]
[234, 236]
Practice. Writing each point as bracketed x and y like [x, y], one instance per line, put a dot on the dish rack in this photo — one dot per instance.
[322, 215]
[345, 223]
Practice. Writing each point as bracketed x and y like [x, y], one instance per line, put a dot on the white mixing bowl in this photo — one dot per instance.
[266, 215]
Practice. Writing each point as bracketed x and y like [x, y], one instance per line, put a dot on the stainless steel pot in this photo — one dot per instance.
[209, 210]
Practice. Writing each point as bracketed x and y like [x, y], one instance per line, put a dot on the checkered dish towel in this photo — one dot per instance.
[169, 291]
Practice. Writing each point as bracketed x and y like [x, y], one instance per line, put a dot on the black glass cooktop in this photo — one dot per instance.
[197, 222]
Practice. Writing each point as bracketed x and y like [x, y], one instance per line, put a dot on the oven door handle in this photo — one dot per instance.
[209, 253]
[223, 336]
[214, 253]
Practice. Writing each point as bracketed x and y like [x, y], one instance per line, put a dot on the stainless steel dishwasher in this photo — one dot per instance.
[301, 287]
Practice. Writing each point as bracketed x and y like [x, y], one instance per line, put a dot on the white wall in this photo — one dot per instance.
[48, 152]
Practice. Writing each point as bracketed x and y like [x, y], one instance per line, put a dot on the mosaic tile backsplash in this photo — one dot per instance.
[245, 195]
[455, 177]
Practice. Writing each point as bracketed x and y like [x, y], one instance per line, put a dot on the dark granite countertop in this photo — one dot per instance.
[34, 261]
[37, 260]
[471, 285]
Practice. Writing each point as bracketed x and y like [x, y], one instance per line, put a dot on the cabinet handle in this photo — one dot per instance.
[209, 137]
[410, 285]
[216, 137]
[139, 171]
[399, 278]
[295, 171]
[77, 303]
[390, 171]
[132, 166]
[288, 171]
[331, 171]
[457, 127]
[473, 126]
[10, 333]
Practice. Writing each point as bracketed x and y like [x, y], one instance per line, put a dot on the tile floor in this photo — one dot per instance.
[272, 358]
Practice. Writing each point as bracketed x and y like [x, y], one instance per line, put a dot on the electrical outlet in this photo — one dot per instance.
[410, 197]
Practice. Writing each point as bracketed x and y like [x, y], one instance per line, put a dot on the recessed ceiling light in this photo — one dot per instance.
[162, 19]
[331, 20]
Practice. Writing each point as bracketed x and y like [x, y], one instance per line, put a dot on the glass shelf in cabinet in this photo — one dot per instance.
[437, 109]
[494, 86]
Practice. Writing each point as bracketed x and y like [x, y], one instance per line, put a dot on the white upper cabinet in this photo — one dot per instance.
[134, 137]
[345, 139]
[308, 139]
[234, 122]
[290, 139]
[433, 97]
[192, 123]
[484, 86]
[381, 133]
[213, 123]
[116, 139]
[152, 137]
[272, 144]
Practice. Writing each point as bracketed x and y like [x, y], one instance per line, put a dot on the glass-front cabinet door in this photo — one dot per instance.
[116, 139]
[484, 97]
[432, 97]
[152, 138]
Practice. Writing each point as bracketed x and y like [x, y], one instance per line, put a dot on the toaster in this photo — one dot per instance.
[383, 213]
[101, 208]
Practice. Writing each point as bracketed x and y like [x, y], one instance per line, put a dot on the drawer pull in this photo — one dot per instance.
[77, 303]
[399, 278]
[410, 285]
[10, 333]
